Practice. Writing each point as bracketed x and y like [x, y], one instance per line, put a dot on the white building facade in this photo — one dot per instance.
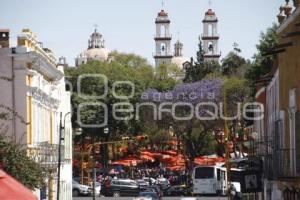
[163, 38]
[210, 36]
[36, 97]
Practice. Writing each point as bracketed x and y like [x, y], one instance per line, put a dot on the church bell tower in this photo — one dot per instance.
[163, 39]
[210, 36]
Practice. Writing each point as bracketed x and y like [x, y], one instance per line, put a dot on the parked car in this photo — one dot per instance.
[154, 188]
[177, 190]
[97, 189]
[163, 182]
[120, 187]
[142, 183]
[149, 195]
[79, 189]
[150, 180]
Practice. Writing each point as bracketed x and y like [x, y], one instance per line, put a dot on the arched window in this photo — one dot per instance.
[210, 30]
[163, 49]
[210, 48]
[162, 31]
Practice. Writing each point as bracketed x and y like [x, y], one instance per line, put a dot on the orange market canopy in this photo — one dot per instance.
[10, 189]
[206, 160]
[129, 161]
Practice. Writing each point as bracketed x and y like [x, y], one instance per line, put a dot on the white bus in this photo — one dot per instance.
[209, 180]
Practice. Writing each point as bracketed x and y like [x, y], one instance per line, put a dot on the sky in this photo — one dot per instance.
[128, 26]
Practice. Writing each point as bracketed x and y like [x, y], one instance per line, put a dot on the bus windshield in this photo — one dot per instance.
[204, 173]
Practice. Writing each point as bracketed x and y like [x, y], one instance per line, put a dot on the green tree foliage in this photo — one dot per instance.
[165, 77]
[235, 91]
[14, 160]
[263, 64]
[120, 67]
[234, 64]
[198, 70]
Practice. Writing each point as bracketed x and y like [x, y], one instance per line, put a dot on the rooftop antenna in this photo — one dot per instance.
[178, 33]
[209, 3]
[162, 4]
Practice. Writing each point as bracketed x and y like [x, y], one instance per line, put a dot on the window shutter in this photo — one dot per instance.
[297, 132]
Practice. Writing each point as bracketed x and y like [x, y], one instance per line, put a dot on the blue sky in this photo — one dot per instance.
[128, 25]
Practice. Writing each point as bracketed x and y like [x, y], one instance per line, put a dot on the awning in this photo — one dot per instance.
[206, 160]
[10, 189]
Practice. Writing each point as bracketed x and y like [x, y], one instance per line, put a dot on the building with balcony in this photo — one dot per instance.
[279, 131]
[34, 96]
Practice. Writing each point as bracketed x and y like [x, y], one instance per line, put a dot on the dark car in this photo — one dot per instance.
[154, 188]
[148, 194]
[176, 190]
[120, 187]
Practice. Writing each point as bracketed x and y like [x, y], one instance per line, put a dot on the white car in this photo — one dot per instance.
[79, 189]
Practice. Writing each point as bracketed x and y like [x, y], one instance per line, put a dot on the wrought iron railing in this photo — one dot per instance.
[285, 164]
[46, 154]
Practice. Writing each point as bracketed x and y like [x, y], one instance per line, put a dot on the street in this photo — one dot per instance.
[164, 198]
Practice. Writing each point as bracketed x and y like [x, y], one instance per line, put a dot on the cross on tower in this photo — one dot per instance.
[96, 26]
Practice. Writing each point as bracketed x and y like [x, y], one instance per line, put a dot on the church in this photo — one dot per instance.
[163, 40]
[96, 50]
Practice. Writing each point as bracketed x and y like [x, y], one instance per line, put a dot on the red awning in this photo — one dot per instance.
[204, 160]
[129, 161]
[12, 189]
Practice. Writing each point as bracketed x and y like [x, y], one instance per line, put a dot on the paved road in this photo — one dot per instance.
[164, 198]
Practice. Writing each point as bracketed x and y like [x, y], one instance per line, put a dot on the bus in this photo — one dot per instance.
[209, 180]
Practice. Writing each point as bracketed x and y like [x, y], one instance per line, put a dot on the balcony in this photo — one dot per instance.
[46, 154]
[285, 167]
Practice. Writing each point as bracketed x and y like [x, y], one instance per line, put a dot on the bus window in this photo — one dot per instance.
[204, 173]
[218, 174]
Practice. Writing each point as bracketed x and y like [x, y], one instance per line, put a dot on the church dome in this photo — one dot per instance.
[210, 12]
[100, 54]
[179, 61]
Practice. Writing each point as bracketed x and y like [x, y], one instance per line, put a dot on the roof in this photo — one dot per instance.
[162, 13]
[210, 12]
[4, 30]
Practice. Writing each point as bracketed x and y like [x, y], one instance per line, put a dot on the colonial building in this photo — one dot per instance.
[289, 100]
[96, 50]
[279, 131]
[210, 36]
[34, 96]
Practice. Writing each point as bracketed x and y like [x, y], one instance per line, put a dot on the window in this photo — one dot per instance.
[204, 173]
[235, 176]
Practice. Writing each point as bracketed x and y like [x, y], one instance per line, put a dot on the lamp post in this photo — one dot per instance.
[61, 128]
[105, 130]
[78, 131]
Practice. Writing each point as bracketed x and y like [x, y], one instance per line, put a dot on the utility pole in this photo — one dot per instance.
[94, 170]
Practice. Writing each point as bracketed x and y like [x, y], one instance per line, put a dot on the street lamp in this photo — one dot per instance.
[105, 130]
[78, 132]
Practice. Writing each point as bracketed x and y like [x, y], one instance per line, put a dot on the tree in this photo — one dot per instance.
[263, 64]
[121, 67]
[234, 64]
[14, 160]
[235, 93]
[193, 131]
[198, 70]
